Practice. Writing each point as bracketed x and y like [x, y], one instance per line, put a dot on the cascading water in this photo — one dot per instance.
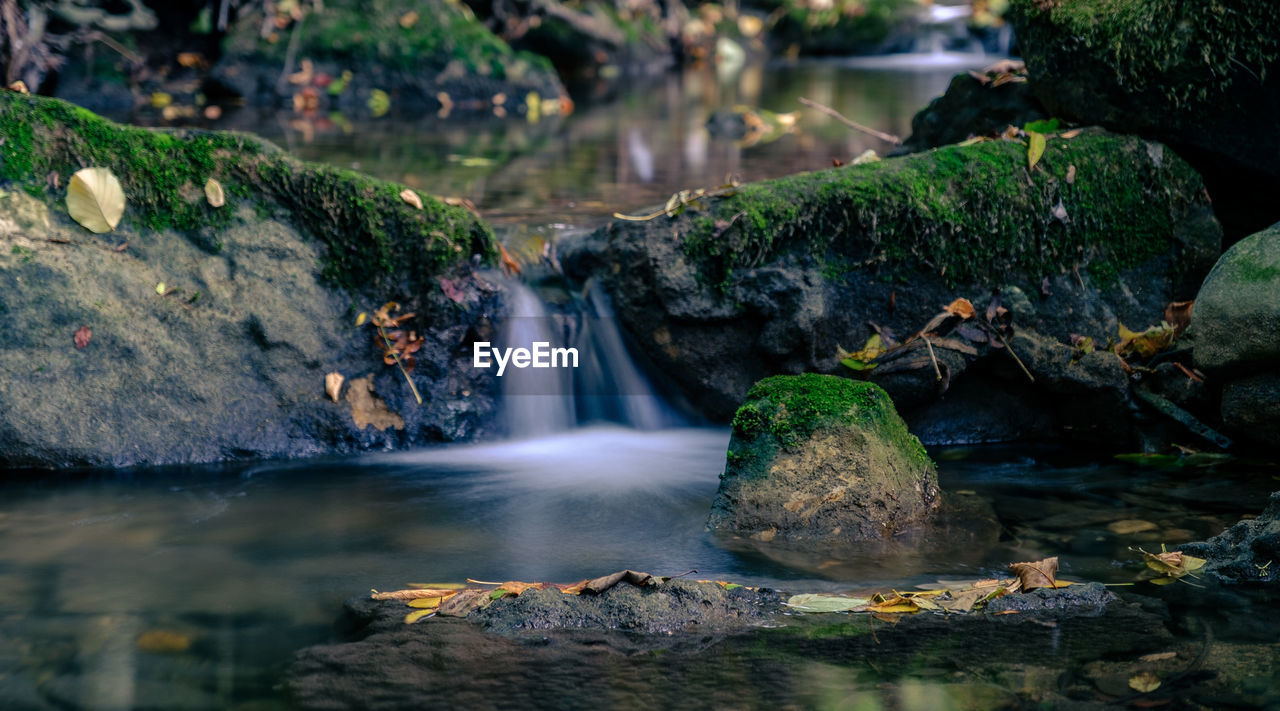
[606, 385]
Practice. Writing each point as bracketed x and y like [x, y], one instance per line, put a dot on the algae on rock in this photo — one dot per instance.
[818, 457]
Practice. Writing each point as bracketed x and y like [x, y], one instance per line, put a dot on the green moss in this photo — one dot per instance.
[1187, 53]
[968, 213]
[375, 241]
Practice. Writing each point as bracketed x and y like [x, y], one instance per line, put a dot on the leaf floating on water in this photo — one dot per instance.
[893, 604]
[1035, 149]
[1040, 574]
[1144, 682]
[95, 199]
[83, 334]
[213, 193]
[827, 603]
[1130, 526]
[333, 384]
[411, 198]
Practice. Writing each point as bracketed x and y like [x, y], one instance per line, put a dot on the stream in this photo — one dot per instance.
[192, 587]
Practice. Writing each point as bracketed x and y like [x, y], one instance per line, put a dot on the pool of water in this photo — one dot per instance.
[193, 587]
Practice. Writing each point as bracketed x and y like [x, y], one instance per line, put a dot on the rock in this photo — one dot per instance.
[1251, 407]
[1236, 318]
[972, 108]
[356, 55]
[817, 457]
[259, 303]
[772, 278]
[1205, 79]
[1089, 600]
[1247, 552]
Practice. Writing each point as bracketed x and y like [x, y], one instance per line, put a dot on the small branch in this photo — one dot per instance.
[888, 138]
[391, 350]
[1018, 360]
[933, 357]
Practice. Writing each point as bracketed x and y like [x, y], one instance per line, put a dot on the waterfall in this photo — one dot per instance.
[606, 385]
[534, 402]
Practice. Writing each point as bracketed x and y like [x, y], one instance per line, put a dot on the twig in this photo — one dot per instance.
[1018, 360]
[933, 357]
[888, 138]
[391, 350]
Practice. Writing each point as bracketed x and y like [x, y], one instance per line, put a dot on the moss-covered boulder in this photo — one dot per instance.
[973, 107]
[818, 457]
[379, 55]
[1236, 322]
[772, 277]
[194, 333]
[1204, 77]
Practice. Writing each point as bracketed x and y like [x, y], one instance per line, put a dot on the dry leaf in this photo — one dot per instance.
[960, 307]
[163, 642]
[1144, 682]
[1072, 133]
[1178, 315]
[509, 265]
[213, 192]
[416, 615]
[333, 384]
[1145, 344]
[409, 19]
[1040, 574]
[411, 197]
[1129, 526]
[1071, 174]
[893, 604]
[83, 334]
[95, 199]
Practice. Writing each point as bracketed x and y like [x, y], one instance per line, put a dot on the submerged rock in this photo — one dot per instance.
[1204, 78]
[817, 457]
[775, 276]
[208, 331]
[380, 55]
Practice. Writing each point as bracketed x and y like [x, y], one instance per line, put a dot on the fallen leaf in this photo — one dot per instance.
[1071, 174]
[867, 156]
[160, 289]
[517, 588]
[827, 603]
[411, 198]
[426, 603]
[361, 318]
[1129, 526]
[1060, 211]
[213, 192]
[1147, 343]
[960, 307]
[963, 600]
[333, 384]
[893, 604]
[1178, 315]
[163, 642]
[1144, 682]
[862, 359]
[1035, 149]
[509, 265]
[409, 19]
[1040, 574]
[95, 199]
[83, 334]
[1072, 133]
[461, 604]
[416, 615]
[1158, 657]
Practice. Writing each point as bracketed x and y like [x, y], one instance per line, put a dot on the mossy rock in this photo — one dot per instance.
[1237, 312]
[208, 332]
[772, 276]
[1202, 76]
[410, 51]
[819, 457]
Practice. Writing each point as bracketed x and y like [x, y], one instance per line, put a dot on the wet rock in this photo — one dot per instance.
[1205, 82]
[972, 108]
[1251, 407]
[355, 56]
[1246, 553]
[258, 304]
[773, 278]
[817, 457]
[1084, 600]
[1237, 312]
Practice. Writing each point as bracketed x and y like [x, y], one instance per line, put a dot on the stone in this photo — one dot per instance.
[822, 458]
[1247, 552]
[1251, 408]
[1236, 318]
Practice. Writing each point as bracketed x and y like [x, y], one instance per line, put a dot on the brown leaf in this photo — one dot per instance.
[1071, 174]
[411, 198]
[961, 308]
[605, 582]
[516, 588]
[463, 603]
[1040, 574]
[1178, 315]
[83, 334]
[509, 265]
[333, 384]
[1071, 134]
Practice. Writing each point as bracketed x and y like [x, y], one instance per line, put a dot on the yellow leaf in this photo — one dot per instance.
[409, 19]
[426, 603]
[416, 615]
[1035, 150]
[213, 192]
[1144, 682]
[159, 99]
[438, 586]
[95, 199]
[160, 289]
[411, 198]
[1145, 344]
[163, 642]
[333, 384]
[361, 318]
[896, 603]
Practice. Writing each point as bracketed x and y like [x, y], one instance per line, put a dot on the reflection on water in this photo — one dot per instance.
[629, 153]
[191, 588]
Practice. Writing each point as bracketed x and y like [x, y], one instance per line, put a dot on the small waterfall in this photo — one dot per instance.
[534, 402]
[606, 385]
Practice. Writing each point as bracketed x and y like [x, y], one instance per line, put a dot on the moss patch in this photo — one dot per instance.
[968, 213]
[375, 242]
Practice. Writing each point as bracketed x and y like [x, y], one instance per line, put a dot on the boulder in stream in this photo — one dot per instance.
[818, 457]
[195, 333]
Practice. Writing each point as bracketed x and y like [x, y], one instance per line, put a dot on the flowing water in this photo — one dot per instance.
[192, 587]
